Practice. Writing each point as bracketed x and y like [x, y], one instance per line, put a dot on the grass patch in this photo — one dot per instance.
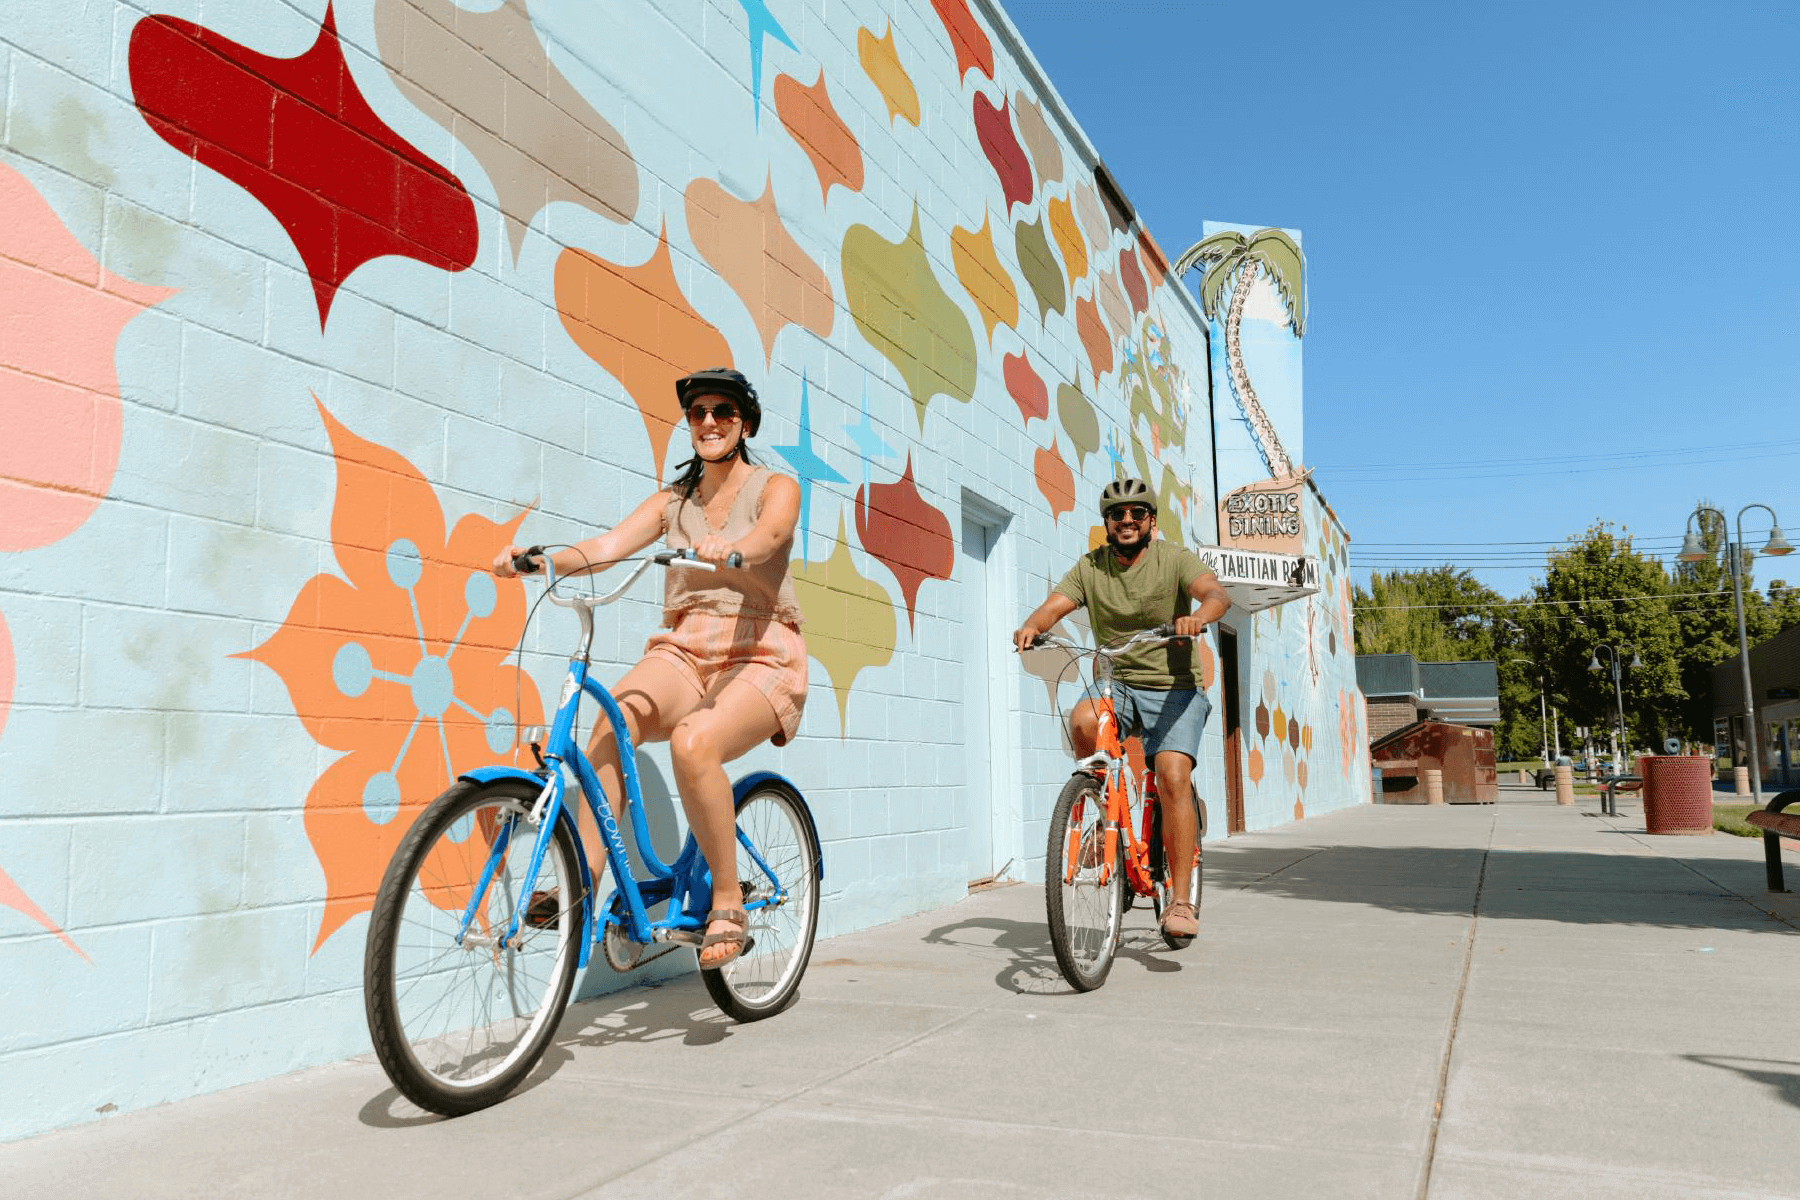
[1536, 764]
[1729, 818]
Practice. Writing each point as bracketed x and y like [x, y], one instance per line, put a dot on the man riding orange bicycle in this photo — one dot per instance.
[1135, 583]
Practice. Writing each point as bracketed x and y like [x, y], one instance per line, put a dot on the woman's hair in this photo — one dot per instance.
[691, 470]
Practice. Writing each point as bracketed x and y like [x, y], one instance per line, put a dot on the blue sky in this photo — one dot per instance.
[1551, 245]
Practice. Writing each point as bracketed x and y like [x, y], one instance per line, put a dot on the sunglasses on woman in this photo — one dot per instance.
[724, 413]
[1129, 512]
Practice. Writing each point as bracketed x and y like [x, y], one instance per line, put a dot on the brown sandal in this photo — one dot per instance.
[1180, 919]
[738, 939]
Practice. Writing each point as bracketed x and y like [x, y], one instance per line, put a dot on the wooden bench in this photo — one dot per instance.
[1776, 825]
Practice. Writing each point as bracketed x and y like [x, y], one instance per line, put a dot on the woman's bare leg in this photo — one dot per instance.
[653, 695]
[734, 719]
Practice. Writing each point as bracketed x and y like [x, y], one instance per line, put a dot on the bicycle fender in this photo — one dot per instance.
[564, 816]
[743, 787]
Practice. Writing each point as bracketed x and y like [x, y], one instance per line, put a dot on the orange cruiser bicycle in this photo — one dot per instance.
[1106, 835]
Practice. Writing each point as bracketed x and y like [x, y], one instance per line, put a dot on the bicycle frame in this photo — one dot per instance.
[1109, 765]
[687, 878]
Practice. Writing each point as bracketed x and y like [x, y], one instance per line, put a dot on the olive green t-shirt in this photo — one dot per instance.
[1125, 600]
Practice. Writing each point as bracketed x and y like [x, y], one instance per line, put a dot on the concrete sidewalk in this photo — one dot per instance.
[1580, 1002]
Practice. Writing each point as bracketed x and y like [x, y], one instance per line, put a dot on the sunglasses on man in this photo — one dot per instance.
[1130, 512]
[724, 413]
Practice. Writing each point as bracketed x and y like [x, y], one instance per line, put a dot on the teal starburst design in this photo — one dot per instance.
[808, 467]
[762, 24]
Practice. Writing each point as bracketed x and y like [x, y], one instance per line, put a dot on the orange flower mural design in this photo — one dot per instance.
[401, 667]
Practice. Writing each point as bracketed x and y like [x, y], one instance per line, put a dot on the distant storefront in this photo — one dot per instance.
[1775, 683]
[1401, 690]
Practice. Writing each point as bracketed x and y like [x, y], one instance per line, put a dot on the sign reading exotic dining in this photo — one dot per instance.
[1264, 516]
[1255, 580]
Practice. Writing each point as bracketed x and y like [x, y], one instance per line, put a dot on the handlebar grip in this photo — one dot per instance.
[1165, 630]
[527, 562]
[1039, 640]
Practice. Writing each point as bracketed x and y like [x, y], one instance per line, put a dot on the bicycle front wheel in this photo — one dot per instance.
[460, 1016]
[1084, 912]
[1164, 893]
[783, 874]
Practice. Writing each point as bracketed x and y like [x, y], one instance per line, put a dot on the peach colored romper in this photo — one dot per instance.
[733, 624]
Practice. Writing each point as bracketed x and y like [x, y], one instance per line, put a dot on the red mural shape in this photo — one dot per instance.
[297, 134]
[1133, 279]
[972, 46]
[1154, 262]
[1055, 481]
[993, 128]
[1026, 387]
[810, 118]
[909, 536]
[1094, 337]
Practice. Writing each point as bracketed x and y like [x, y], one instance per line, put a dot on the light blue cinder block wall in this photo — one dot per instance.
[191, 785]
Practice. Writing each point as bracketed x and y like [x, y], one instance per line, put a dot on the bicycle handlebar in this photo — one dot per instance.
[1161, 633]
[528, 561]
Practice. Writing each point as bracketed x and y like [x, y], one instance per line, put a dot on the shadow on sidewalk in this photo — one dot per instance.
[653, 1012]
[1515, 884]
[1030, 967]
[1785, 1081]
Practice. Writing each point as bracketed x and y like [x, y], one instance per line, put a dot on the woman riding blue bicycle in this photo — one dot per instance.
[727, 671]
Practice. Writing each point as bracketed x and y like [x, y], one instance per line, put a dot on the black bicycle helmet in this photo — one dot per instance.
[1126, 491]
[722, 381]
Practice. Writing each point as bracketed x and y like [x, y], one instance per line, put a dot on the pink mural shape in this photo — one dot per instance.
[1026, 387]
[11, 894]
[61, 314]
[994, 130]
[972, 46]
[297, 134]
[896, 525]
[1133, 279]
[756, 256]
[813, 122]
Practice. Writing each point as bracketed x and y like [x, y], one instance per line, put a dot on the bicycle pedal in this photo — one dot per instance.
[687, 937]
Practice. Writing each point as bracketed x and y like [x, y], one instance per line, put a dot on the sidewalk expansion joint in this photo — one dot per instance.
[1462, 988]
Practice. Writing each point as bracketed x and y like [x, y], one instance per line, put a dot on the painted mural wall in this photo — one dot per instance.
[306, 309]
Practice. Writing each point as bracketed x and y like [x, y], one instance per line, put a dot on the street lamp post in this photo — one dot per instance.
[1619, 744]
[1693, 550]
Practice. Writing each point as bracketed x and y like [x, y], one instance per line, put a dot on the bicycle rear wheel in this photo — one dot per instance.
[457, 1024]
[1084, 912]
[763, 980]
[1164, 893]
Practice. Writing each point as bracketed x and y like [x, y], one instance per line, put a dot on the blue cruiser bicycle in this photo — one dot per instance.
[489, 909]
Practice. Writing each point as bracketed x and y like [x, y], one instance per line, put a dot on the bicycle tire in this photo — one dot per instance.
[765, 978]
[1085, 914]
[1195, 877]
[458, 1026]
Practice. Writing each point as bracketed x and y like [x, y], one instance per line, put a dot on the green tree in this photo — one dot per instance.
[1441, 614]
[1599, 590]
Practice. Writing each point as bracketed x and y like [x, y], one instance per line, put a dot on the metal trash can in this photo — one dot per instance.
[1677, 793]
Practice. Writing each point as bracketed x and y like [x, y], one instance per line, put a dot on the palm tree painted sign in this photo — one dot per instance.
[1229, 255]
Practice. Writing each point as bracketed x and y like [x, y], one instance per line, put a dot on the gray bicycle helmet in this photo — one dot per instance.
[722, 381]
[1126, 491]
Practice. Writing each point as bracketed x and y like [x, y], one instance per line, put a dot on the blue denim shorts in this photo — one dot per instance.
[1166, 720]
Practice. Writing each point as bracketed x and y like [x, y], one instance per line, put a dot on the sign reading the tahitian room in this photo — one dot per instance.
[1264, 516]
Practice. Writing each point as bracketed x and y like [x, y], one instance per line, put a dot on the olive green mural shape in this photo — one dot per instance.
[850, 622]
[1031, 246]
[1079, 421]
[1152, 392]
[907, 315]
